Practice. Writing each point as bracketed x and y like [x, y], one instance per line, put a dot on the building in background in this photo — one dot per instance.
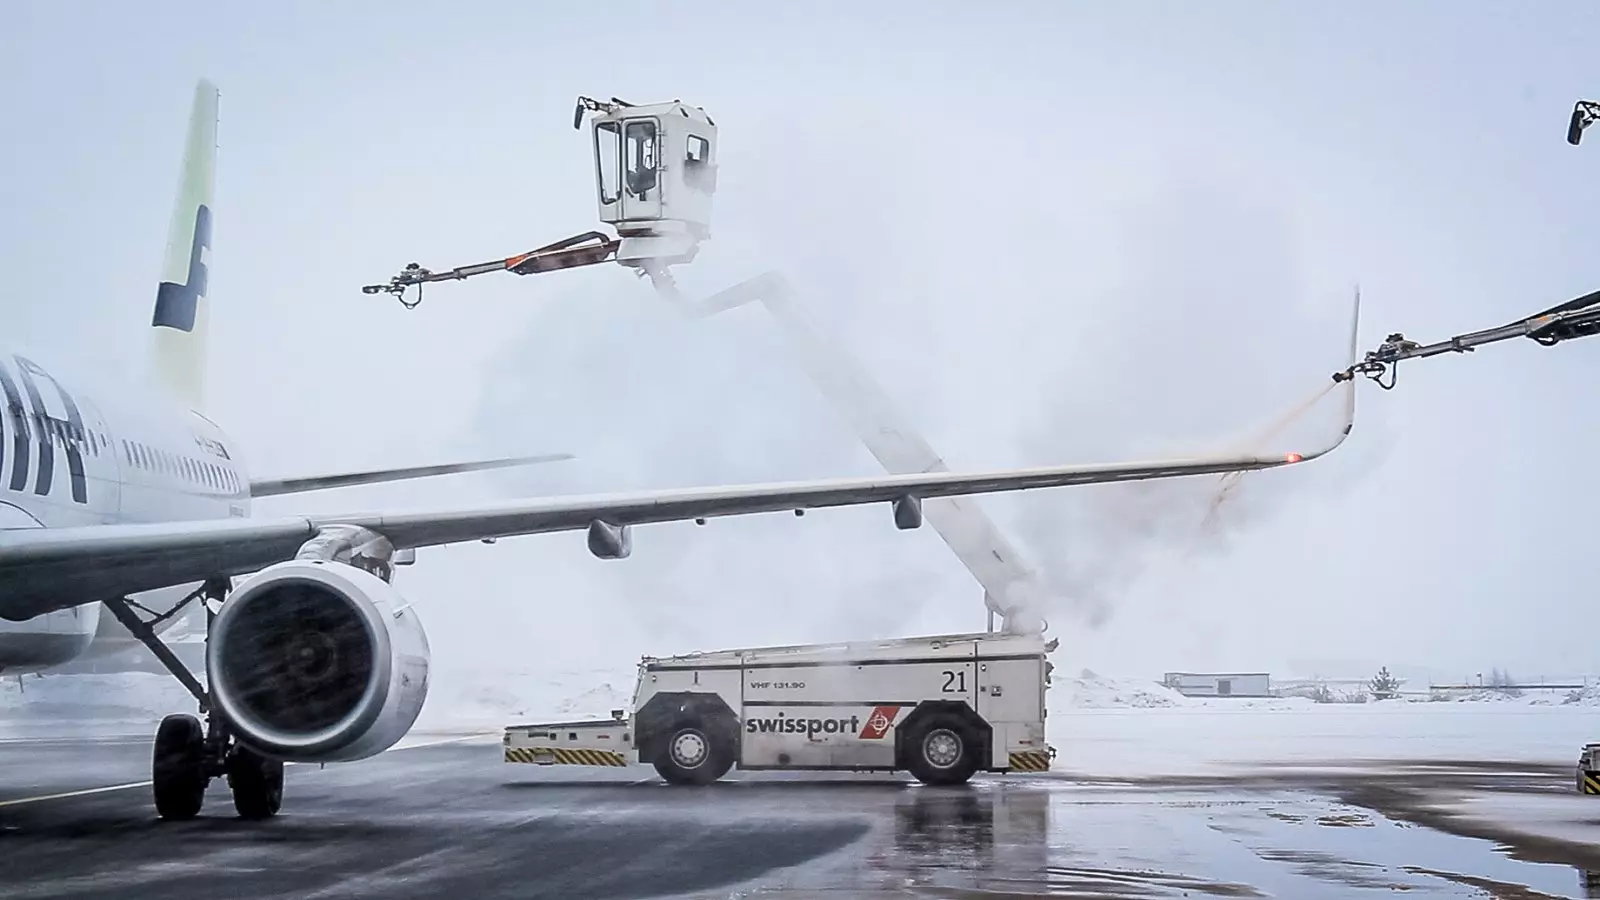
[1225, 684]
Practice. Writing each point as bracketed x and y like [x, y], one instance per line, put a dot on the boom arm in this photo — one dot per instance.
[1579, 317]
[585, 249]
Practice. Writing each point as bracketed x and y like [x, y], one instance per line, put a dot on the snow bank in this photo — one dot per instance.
[459, 698]
[134, 698]
[472, 699]
[1092, 691]
[1589, 696]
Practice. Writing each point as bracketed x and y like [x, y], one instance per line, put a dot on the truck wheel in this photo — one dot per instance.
[693, 755]
[942, 751]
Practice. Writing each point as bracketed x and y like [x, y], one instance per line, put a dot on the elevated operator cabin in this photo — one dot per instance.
[655, 174]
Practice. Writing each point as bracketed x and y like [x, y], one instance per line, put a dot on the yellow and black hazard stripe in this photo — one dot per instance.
[1030, 760]
[1589, 782]
[564, 756]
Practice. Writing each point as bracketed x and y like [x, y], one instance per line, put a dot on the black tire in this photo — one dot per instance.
[256, 783]
[694, 754]
[177, 768]
[942, 750]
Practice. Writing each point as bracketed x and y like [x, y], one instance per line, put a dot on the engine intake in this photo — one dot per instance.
[316, 660]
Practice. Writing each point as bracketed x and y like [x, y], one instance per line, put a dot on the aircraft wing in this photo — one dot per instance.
[276, 486]
[47, 569]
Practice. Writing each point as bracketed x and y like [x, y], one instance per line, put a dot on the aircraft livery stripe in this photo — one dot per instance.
[71, 432]
[19, 435]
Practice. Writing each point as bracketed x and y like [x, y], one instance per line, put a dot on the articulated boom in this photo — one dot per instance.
[655, 173]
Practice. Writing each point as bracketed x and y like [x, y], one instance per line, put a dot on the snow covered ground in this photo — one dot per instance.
[1119, 727]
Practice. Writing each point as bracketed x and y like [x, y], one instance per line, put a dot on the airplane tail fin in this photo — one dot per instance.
[181, 317]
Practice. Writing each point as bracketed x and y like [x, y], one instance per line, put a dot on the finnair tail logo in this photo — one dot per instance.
[176, 304]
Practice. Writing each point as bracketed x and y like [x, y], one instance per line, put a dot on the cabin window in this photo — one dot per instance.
[640, 138]
[608, 157]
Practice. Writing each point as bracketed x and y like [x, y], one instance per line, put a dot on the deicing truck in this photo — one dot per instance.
[941, 708]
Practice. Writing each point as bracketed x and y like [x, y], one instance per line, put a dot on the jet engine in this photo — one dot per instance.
[317, 661]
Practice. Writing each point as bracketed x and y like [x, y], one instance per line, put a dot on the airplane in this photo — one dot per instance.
[312, 655]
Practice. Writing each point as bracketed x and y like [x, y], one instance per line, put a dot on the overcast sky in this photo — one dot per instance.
[1053, 232]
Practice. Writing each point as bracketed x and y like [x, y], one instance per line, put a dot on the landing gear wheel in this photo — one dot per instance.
[256, 783]
[942, 751]
[178, 773]
[694, 754]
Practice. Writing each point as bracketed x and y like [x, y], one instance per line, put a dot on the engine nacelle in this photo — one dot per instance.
[317, 661]
[608, 541]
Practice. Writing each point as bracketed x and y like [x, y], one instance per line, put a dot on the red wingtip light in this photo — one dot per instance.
[1292, 457]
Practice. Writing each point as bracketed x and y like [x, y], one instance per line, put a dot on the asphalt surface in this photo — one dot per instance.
[453, 820]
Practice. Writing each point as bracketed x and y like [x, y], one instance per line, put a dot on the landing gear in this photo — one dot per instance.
[187, 754]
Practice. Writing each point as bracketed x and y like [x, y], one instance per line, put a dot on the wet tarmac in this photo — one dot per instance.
[453, 820]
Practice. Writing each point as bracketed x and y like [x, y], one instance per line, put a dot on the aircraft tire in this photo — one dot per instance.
[256, 783]
[177, 768]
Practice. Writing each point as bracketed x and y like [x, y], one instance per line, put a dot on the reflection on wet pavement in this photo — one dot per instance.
[1049, 837]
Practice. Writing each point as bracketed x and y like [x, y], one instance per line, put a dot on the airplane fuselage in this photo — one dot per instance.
[70, 456]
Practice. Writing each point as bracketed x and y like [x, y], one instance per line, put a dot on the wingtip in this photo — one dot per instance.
[1355, 357]
[1348, 385]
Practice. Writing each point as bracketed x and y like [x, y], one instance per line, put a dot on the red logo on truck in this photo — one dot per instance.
[879, 722]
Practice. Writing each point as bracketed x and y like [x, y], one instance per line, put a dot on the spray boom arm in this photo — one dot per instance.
[1579, 317]
[585, 249]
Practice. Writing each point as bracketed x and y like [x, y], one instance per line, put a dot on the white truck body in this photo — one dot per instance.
[941, 707]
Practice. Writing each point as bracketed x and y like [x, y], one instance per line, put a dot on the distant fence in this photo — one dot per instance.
[1301, 686]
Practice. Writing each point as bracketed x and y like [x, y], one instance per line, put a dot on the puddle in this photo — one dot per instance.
[1346, 820]
[1499, 890]
[1335, 870]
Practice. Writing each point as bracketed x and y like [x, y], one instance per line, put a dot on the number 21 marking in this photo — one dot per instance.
[959, 679]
